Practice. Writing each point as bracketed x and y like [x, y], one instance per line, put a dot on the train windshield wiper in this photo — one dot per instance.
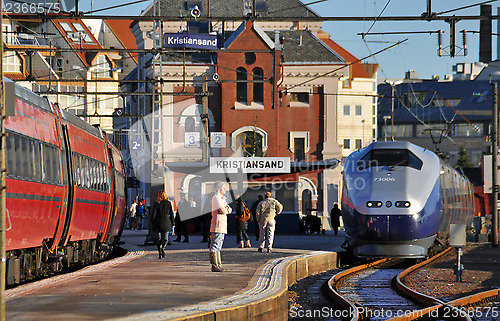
[401, 162]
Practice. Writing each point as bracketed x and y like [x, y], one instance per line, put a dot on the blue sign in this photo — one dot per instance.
[136, 144]
[191, 40]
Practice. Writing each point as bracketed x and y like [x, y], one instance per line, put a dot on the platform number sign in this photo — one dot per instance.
[192, 139]
[136, 145]
[218, 140]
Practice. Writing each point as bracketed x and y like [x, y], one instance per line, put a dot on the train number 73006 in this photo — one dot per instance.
[384, 179]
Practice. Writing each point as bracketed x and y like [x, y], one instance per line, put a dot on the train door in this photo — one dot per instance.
[68, 177]
[115, 197]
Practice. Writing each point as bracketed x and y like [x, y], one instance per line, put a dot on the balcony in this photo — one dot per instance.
[25, 40]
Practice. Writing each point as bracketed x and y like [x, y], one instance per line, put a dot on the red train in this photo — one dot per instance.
[65, 189]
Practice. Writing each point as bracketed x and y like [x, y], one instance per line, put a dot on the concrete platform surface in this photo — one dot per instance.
[139, 286]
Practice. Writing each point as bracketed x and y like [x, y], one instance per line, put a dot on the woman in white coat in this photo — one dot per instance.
[218, 226]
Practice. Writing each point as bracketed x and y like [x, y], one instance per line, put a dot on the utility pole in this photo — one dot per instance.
[494, 166]
[3, 174]
[204, 121]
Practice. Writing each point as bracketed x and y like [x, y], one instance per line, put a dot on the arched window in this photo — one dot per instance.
[258, 85]
[249, 141]
[241, 85]
[249, 144]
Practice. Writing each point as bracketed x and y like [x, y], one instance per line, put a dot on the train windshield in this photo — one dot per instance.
[391, 158]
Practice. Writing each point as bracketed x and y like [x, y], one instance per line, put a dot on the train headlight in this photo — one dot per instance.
[372, 204]
[404, 204]
[388, 204]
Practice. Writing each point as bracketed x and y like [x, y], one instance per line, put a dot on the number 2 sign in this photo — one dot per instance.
[218, 140]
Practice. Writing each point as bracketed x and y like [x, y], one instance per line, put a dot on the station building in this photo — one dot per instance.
[276, 89]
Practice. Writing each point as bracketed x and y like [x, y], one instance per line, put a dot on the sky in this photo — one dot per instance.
[418, 53]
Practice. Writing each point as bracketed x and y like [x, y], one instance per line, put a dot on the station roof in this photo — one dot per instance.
[231, 8]
[300, 47]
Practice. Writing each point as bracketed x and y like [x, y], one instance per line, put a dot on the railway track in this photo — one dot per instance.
[376, 291]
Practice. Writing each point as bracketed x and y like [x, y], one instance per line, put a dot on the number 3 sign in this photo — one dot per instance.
[192, 139]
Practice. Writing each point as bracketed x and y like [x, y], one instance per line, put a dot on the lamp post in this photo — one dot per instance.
[363, 138]
[392, 84]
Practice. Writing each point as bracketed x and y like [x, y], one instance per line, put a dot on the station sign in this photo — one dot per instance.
[136, 144]
[218, 140]
[192, 139]
[191, 40]
[250, 164]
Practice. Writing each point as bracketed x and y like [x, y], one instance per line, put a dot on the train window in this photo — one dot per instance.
[24, 157]
[86, 173]
[101, 178]
[18, 157]
[56, 165]
[38, 161]
[47, 169]
[77, 169]
[11, 155]
[31, 159]
[106, 179]
[95, 179]
[391, 158]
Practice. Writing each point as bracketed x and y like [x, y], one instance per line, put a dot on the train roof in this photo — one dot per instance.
[30, 97]
[76, 121]
[417, 150]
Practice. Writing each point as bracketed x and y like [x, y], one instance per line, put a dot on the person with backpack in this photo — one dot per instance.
[243, 215]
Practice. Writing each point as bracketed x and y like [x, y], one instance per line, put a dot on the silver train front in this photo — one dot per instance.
[398, 198]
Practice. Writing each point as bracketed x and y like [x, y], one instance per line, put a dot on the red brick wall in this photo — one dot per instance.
[277, 122]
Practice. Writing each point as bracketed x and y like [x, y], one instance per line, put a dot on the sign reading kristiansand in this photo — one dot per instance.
[191, 40]
[250, 164]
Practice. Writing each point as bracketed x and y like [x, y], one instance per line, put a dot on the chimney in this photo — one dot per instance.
[485, 27]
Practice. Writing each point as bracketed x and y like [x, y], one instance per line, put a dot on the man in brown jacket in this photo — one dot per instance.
[266, 211]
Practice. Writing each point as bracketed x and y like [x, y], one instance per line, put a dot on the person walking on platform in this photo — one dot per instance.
[140, 214]
[242, 224]
[218, 227]
[183, 209]
[253, 210]
[133, 212]
[335, 214]
[266, 212]
[162, 221]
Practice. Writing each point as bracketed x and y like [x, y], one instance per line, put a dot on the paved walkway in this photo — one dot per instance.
[139, 286]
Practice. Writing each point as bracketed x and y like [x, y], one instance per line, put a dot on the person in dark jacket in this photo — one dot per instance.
[183, 214]
[253, 210]
[162, 220]
[242, 226]
[335, 215]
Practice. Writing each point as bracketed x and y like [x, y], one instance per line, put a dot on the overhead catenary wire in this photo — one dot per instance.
[346, 65]
[465, 7]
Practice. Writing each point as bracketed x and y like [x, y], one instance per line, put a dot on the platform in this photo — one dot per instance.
[139, 286]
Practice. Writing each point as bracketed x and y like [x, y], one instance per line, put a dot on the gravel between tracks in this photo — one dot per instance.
[481, 264]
